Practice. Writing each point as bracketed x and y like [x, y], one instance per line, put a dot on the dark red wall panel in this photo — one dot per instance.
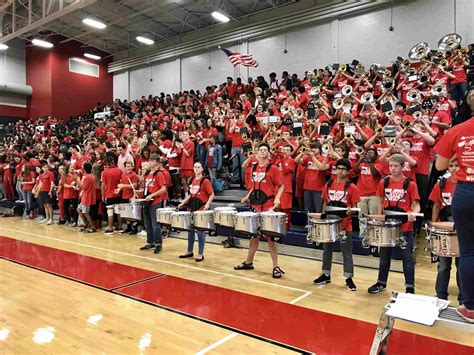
[13, 111]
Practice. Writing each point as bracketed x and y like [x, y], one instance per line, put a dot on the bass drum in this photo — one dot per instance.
[273, 223]
[204, 220]
[246, 222]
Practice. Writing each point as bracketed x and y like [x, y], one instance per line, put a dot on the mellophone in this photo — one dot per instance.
[248, 223]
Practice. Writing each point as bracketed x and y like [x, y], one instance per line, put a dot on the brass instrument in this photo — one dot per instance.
[349, 136]
[377, 141]
[379, 130]
[417, 115]
[389, 114]
[413, 95]
[419, 51]
[298, 113]
[325, 148]
[388, 84]
[349, 121]
[314, 91]
[367, 97]
[423, 80]
[407, 124]
[444, 64]
[303, 150]
[272, 149]
[285, 109]
[412, 71]
[347, 90]
[387, 72]
[343, 67]
[449, 42]
[392, 141]
[359, 150]
[337, 103]
[439, 89]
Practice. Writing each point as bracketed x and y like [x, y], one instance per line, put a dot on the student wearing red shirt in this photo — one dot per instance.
[340, 193]
[46, 181]
[237, 140]
[398, 193]
[127, 187]
[154, 191]
[458, 141]
[60, 193]
[110, 179]
[28, 180]
[441, 196]
[370, 173]
[88, 198]
[187, 161]
[287, 166]
[458, 88]
[200, 198]
[265, 195]
[68, 182]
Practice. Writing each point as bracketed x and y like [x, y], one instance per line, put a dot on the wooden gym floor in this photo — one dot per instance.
[62, 291]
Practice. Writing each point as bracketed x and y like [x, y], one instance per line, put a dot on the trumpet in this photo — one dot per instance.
[367, 97]
[407, 124]
[337, 104]
[349, 136]
[325, 148]
[359, 150]
[388, 84]
[439, 90]
[417, 115]
[379, 130]
[272, 149]
[285, 109]
[392, 141]
[298, 113]
[413, 95]
[444, 64]
[343, 67]
[389, 114]
[303, 150]
[346, 90]
[412, 71]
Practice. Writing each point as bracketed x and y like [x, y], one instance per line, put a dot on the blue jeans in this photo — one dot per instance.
[201, 240]
[313, 201]
[462, 209]
[28, 201]
[442, 279]
[19, 189]
[407, 260]
[458, 92]
[152, 227]
[201, 154]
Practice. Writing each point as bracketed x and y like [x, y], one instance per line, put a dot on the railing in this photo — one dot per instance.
[238, 168]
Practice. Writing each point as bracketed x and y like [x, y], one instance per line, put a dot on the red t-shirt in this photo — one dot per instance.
[314, 178]
[459, 141]
[394, 192]
[30, 178]
[350, 198]
[68, 192]
[88, 194]
[441, 117]
[237, 139]
[248, 172]
[287, 167]
[368, 183]
[268, 183]
[443, 198]
[111, 178]
[46, 179]
[187, 162]
[127, 193]
[459, 71]
[153, 183]
[420, 151]
[199, 191]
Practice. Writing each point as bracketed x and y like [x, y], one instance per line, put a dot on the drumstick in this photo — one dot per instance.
[334, 208]
[396, 213]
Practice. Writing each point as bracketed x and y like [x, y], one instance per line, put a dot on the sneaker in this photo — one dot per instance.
[147, 246]
[61, 222]
[127, 230]
[50, 222]
[350, 284]
[142, 233]
[158, 249]
[39, 218]
[467, 314]
[410, 290]
[322, 280]
[44, 220]
[91, 230]
[164, 234]
[109, 232]
[134, 231]
[376, 288]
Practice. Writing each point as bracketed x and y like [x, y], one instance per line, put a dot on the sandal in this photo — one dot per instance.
[244, 266]
[277, 272]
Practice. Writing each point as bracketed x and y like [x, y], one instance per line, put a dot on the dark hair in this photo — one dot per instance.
[122, 145]
[264, 144]
[87, 167]
[345, 163]
[301, 89]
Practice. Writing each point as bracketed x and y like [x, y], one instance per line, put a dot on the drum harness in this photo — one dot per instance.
[445, 212]
[406, 182]
[147, 204]
[194, 203]
[339, 203]
[258, 197]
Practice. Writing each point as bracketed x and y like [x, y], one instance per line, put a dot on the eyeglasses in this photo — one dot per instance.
[341, 168]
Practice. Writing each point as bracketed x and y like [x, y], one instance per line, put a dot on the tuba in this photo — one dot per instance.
[346, 90]
[449, 42]
[413, 95]
[367, 97]
[419, 51]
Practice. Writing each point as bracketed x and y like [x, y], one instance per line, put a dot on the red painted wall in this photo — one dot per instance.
[13, 111]
[56, 90]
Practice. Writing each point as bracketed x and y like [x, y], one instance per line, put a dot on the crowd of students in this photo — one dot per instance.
[343, 136]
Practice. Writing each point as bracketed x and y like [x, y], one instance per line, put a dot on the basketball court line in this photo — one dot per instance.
[158, 260]
[217, 343]
[297, 299]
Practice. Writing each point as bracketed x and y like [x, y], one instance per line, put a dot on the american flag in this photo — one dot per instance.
[238, 58]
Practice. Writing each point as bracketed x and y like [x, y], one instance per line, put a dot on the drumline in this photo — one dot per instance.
[441, 238]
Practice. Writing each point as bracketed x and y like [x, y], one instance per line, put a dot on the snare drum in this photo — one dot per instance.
[383, 233]
[442, 242]
[324, 230]
[273, 223]
[204, 220]
[218, 213]
[163, 215]
[130, 211]
[246, 222]
[182, 220]
[226, 218]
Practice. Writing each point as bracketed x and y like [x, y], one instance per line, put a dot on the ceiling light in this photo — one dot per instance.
[220, 16]
[80, 60]
[94, 23]
[145, 40]
[92, 56]
[41, 43]
[3, 47]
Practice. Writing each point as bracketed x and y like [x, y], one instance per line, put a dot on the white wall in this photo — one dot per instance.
[365, 37]
[13, 70]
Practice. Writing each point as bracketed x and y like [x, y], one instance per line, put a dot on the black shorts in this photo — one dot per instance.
[44, 197]
[113, 201]
[125, 200]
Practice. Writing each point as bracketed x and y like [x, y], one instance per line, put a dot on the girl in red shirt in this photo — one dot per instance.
[200, 198]
[28, 180]
[88, 198]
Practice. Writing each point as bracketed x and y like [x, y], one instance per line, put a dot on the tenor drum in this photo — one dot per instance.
[204, 220]
[182, 220]
[383, 233]
[130, 211]
[218, 213]
[442, 242]
[246, 222]
[273, 223]
[226, 218]
[324, 230]
[163, 215]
